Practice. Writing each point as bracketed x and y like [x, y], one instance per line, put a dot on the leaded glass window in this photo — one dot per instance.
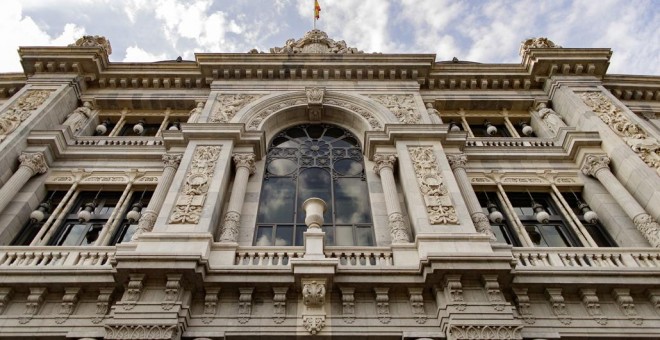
[321, 161]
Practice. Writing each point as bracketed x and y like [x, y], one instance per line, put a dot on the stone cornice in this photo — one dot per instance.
[633, 87]
[10, 83]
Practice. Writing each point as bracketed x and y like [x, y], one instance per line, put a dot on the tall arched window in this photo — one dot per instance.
[315, 160]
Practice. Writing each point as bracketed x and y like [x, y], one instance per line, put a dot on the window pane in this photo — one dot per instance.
[350, 203]
[329, 235]
[314, 182]
[344, 236]
[284, 235]
[73, 234]
[300, 229]
[264, 236]
[364, 236]
[277, 197]
[500, 233]
[282, 167]
[348, 167]
[128, 231]
[599, 236]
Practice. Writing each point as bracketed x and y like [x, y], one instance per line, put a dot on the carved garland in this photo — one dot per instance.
[21, 110]
[486, 332]
[439, 207]
[402, 106]
[141, 332]
[646, 147]
[229, 105]
[190, 202]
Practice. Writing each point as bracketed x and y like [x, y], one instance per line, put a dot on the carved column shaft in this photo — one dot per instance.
[385, 169]
[31, 164]
[148, 219]
[244, 168]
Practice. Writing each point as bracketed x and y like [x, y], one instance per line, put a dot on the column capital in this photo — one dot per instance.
[245, 160]
[172, 160]
[383, 161]
[34, 161]
[594, 163]
[457, 160]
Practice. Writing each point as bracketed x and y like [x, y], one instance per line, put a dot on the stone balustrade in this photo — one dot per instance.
[350, 258]
[583, 258]
[44, 258]
[118, 141]
[510, 142]
[267, 257]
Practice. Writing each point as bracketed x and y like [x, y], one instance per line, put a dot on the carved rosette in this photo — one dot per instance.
[398, 229]
[21, 110]
[402, 106]
[130, 332]
[649, 228]
[313, 323]
[539, 42]
[172, 160]
[279, 304]
[439, 207]
[594, 163]
[592, 304]
[36, 162]
[189, 204]
[229, 105]
[558, 306]
[314, 41]
[94, 41]
[485, 332]
[645, 146]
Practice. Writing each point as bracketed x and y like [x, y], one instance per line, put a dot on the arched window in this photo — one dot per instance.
[321, 161]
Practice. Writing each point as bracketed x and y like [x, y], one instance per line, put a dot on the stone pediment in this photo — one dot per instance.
[315, 41]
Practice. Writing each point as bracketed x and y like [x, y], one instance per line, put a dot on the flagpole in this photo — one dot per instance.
[314, 13]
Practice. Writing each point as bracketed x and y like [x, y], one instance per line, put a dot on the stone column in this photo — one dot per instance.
[232, 222]
[385, 169]
[31, 164]
[598, 167]
[457, 163]
[148, 219]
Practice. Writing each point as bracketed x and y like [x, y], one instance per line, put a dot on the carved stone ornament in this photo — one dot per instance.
[94, 41]
[417, 304]
[384, 161]
[402, 106]
[102, 304]
[131, 332]
[271, 109]
[133, 291]
[558, 305]
[313, 294]
[172, 291]
[314, 95]
[189, 204]
[592, 304]
[196, 112]
[34, 161]
[315, 41]
[550, 118]
[348, 304]
[230, 227]
[364, 113]
[482, 225]
[539, 42]
[172, 160]
[486, 332]
[78, 117]
[245, 160]
[645, 146]
[649, 227]
[523, 305]
[454, 292]
[21, 110]
[229, 105]
[145, 223]
[5, 296]
[34, 302]
[458, 160]
[493, 292]
[210, 304]
[313, 323]
[69, 301]
[398, 229]
[245, 304]
[594, 163]
[383, 305]
[627, 305]
[279, 304]
[439, 207]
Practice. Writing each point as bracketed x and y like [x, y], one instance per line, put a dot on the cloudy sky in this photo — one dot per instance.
[475, 30]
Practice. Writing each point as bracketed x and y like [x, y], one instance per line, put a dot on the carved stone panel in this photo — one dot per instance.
[402, 106]
[485, 332]
[189, 203]
[279, 304]
[313, 294]
[21, 110]
[558, 306]
[245, 304]
[130, 332]
[229, 105]
[210, 304]
[439, 207]
[348, 304]
[383, 305]
[34, 302]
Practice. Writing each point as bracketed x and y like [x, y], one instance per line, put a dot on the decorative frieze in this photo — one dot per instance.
[383, 305]
[94, 41]
[558, 306]
[454, 292]
[592, 305]
[523, 305]
[103, 304]
[141, 332]
[279, 304]
[364, 113]
[417, 304]
[348, 304]
[69, 301]
[645, 146]
[190, 201]
[245, 304]
[172, 291]
[438, 203]
[402, 106]
[21, 110]
[133, 291]
[485, 332]
[34, 302]
[210, 304]
[627, 305]
[229, 105]
[493, 292]
[313, 293]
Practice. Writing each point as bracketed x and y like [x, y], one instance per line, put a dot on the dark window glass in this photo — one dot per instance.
[595, 230]
[479, 130]
[149, 130]
[31, 229]
[321, 161]
[76, 233]
[502, 230]
[127, 228]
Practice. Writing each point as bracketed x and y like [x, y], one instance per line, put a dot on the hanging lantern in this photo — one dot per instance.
[102, 128]
[175, 126]
[490, 128]
[527, 129]
[134, 214]
[541, 215]
[453, 127]
[39, 214]
[139, 127]
[86, 213]
[589, 215]
[495, 215]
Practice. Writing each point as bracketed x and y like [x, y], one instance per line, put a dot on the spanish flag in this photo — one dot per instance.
[317, 10]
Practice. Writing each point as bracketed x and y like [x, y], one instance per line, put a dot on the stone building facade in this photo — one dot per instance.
[171, 200]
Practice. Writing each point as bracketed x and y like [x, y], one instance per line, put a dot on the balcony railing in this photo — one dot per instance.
[269, 257]
[510, 142]
[56, 257]
[117, 141]
[584, 258]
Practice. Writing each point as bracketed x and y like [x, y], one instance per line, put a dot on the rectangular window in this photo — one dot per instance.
[75, 231]
[129, 221]
[38, 217]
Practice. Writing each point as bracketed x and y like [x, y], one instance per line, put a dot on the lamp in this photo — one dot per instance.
[453, 127]
[39, 214]
[527, 129]
[102, 128]
[139, 127]
[85, 214]
[175, 126]
[494, 215]
[136, 209]
[541, 215]
[490, 128]
[588, 214]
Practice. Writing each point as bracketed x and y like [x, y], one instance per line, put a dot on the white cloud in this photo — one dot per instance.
[136, 54]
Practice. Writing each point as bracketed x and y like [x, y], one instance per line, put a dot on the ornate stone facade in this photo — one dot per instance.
[21, 110]
[401, 106]
[431, 184]
[229, 105]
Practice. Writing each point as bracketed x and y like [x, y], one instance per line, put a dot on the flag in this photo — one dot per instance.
[317, 9]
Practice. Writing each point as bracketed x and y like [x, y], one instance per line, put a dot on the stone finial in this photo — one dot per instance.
[540, 42]
[35, 161]
[458, 160]
[314, 41]
[384, 161]
[94, 41]
[594, 163]
[245, 160]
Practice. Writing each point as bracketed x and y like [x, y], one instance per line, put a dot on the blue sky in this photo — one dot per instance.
[475, 30]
